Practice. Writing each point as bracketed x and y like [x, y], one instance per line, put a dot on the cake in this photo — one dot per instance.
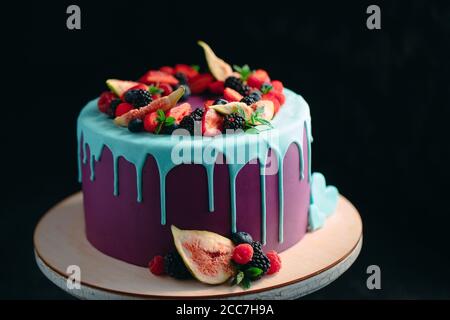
[223, 151]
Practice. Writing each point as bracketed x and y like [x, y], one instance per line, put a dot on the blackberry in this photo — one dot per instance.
[248, 100]
[112, 107]
[259, 259]
[237, 84]
[220, 101]
[197, 114]
[138, 97]
[233, 121]
[181, 77]
[136, 125]
[241, 237]
[168, 129]
[175, 267]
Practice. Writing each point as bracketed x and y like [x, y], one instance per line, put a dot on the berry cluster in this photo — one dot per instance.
[171, 264]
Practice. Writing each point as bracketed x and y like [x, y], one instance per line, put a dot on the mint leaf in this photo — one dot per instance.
[244, 71]
[264, 121]
[253, 272]
[266, 88]
[155, 90]
[169, 121]
[239, 277]
[195, 67]
[245, 283]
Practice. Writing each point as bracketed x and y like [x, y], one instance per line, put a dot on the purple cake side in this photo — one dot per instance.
[125, 229]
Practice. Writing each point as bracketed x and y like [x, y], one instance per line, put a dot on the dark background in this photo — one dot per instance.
[379, 103]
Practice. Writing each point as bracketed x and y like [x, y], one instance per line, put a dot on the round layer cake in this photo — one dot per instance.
[136, 185]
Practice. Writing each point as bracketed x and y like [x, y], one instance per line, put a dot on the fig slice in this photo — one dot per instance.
[218, 68]
[206, 254]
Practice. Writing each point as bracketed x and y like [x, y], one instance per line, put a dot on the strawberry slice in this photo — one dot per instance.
[277, 85]
[212, 123]
[200, 83]
[257, 78]
[167, 69]
[123, 108]
[231, 95]
[166, 88]
[150, 122]
[271, 96]
[179, 112]
[216, 87]
[208, 103]
[187, 70]
[156, 76]
[138, 86]
[105, 101]
[280, 96]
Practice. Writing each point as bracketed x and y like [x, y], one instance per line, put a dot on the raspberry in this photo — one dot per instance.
[105, 100]
[275, 262]
[156, 265]
[277, 85]
[242, 253]
[123, 108]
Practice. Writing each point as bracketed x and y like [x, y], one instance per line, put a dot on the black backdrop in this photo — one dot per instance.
[379, 102]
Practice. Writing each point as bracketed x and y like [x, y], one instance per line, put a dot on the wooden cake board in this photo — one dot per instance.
[317, 260]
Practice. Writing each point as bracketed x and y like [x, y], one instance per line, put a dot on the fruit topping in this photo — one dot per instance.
[166, 89]
[156, 265]
[248, 100]
[242, 253]
[138, 97]
[212, 123]
[105, 100]
[156, 76]
[258, 78]
[241, 237]
[232, 95]
[167, 69]
[277, 85]
[181, 77]
[136, 125]
[123, 108]
[179, 112]
[219, 68]
[208, 103]
[275, 262]
[233, 122]
[174, 266]
[220, 102]
[150, 122]
[187, 70]
[243, 71]
[187, 92]
[163, 121]
[120, 86]
[138, 86]
[276, 103]
[192, 122]
[164, 103]
[264, 109]
[216, 87]
[112, 107]
[207, 255]
[200, 83]
[234, 107]
[168, 129]
[237, 85]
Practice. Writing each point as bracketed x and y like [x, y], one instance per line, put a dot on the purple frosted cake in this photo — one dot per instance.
[224, 151]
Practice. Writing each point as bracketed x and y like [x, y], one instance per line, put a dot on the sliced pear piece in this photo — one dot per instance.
[265, 109]
[219, 68]
[206, 254]
[233, 107]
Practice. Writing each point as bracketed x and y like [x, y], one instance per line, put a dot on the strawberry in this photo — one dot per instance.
[167, 69]
[179, 112]
[257, 78]
[279, 95]
[123, 108]
[187, 70]
[216, 87]
[271, 96]
[138, 86]
[166, 88]
[150, 122]
[200, 83]
[208, 103]
[105, 101]
[212, 123]
[231, 95]
[277, 85]
[155, 76]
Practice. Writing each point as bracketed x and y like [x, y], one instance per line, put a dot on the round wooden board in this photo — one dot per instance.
[317, 260]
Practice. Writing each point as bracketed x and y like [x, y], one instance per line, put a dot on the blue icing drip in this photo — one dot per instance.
[324, 201]
[280, 200]
[263, 204]
[92, 164]
[98, 130]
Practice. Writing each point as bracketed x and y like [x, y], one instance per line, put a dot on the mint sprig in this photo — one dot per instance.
[196, 67]
[244, 276]
[155, 90]
[163, 120]
[244, 71]
[266, 88]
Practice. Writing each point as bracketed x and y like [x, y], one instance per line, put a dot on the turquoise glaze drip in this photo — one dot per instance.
[96, 130]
